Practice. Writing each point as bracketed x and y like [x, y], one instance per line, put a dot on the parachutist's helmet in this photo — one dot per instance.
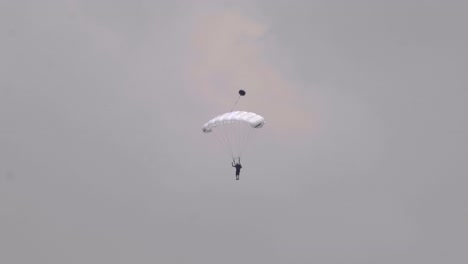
[241, 92]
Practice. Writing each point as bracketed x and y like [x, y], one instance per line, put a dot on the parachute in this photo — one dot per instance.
[234, 130]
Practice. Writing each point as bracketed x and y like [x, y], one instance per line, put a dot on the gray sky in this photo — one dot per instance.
[362, 159]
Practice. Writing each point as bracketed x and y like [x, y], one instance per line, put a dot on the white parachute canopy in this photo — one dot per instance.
[234, 130]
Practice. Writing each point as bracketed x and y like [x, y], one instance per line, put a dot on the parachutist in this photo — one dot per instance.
[234, 130]
[238, 167]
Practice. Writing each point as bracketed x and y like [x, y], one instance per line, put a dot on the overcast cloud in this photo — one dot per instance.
[362, 158]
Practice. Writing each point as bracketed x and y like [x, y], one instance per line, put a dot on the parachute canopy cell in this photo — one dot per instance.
[234, 130]
[252, 119]
[241, 92]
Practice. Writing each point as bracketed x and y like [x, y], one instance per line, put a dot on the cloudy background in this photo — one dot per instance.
[362, 160]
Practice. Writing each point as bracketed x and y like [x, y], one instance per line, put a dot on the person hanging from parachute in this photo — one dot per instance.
[238, 167]
[234, 130]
